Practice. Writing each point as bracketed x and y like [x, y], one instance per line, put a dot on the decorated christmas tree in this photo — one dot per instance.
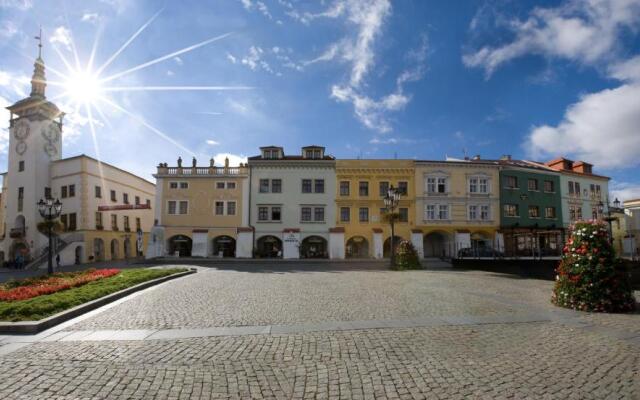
[590, 277]
[407, 256]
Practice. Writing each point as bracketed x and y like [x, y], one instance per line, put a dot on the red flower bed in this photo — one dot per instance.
[34, 287]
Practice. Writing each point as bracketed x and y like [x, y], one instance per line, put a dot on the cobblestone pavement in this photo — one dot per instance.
[575, 356]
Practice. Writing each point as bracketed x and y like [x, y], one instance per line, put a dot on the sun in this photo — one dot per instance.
[83, 87]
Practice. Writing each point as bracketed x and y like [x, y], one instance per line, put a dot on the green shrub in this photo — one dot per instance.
[406, 257]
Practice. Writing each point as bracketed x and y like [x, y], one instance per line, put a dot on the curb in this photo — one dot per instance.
[45, 323]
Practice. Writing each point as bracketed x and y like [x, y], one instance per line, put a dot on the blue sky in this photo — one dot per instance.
[366, 78]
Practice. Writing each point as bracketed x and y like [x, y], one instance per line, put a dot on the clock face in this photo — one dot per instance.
[50, 149]
[21, 147]
[51, 133]
[22, 131]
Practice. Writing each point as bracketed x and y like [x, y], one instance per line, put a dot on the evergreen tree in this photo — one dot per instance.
[407, 256]
[590, 277]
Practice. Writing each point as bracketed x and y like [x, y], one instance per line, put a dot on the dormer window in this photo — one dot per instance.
[313, 153]
[271, 153]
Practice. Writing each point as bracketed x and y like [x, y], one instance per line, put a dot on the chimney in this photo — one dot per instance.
[505, 157]
[476, 157]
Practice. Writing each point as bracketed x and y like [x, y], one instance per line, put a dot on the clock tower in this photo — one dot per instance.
[35, 142]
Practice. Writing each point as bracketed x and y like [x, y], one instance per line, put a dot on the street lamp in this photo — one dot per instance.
[49, 210]
[391, 200]
[607, 217]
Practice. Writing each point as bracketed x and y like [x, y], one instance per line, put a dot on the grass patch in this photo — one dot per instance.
[44, 306]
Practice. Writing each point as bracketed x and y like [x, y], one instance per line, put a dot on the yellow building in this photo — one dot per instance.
[457, 208]
[361, 186]
[201, 211]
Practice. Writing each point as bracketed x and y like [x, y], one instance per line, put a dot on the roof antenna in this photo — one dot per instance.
[464, 151]
[39, 39]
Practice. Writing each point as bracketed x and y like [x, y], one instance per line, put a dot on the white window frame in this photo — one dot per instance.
[226, 207]
[179, 208]
[436, 177]
[228, 185]
[436, 211]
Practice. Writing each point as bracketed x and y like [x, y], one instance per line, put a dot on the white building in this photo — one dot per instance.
[103, 208]
[292, 205]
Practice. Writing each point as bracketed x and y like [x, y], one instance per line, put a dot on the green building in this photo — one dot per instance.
[530, 210]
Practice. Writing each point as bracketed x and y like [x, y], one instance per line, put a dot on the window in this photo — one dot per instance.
[511, 182]
[430, 212]
[72, 190]
[263, 213]
[64, 221]
[47, 192]
[594, 213]
[63, 192]
[125, 198]
[264, 186]
[443, 211]
[403, 214]
[483, 185]
[306, 186]
[219, 208]
[138, 225]
[534, 212]
[309, 153]
[345, 214]
[275, 213]
[484, 212]
[20, 198]
[319, 185]
[127, 227]
[437, 184]
[73, 220]
[548, 187]
[276, 186]
[137, 200]
[171, 207]
[305, 214]
[184, 207]
[318, 214]
[184, 185]
[363, 214]
[98, 192]
[598, 193]
[231, 208]
[577, 187]
[99, 220]
[219, 185]
[473, 212]
[148, 203]
[363, 188]
[403, 188]
[21, 166]
[473, 185]
[231, 185]
[344, 188]
[549, 212]
[384, 188]
[532, 184]
[316, 153]
[173, 185]
[113, 195]
[511, 210]
[114, 222]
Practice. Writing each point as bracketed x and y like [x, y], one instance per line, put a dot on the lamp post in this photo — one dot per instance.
[607, 217]
[391, 200]
[50, 210]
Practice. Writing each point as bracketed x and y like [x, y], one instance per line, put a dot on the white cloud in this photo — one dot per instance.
[623, 191]
[4, 124]
[212, 142]
[7, 29]
[19, 4]
[170, 73]
[90, 17]
[178, 60]
[14, 84]
[254, 60]
[628, 70]
[257, 5]
[61, 35]
[585, 31]
[231, 58]
[234, 159]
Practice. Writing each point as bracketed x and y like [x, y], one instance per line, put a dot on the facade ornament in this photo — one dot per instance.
[194, 162]
[211, 163]
[226, 162]
[179, 162]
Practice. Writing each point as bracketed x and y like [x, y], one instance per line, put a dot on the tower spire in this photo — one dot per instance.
[38, 80]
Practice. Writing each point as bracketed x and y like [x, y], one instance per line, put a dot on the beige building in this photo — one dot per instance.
[457, 207]
[105, 210]
[201, 211]
[631, 242]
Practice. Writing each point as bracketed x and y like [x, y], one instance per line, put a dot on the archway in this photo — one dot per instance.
[98, 249]
[357, 247]
[114, 249]
[386, 247]
[180, 244]
[225, 245]
[435, 244]
[314, 247]
[78, 255]
[269, 247]
[19, 253]
[127, 248]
